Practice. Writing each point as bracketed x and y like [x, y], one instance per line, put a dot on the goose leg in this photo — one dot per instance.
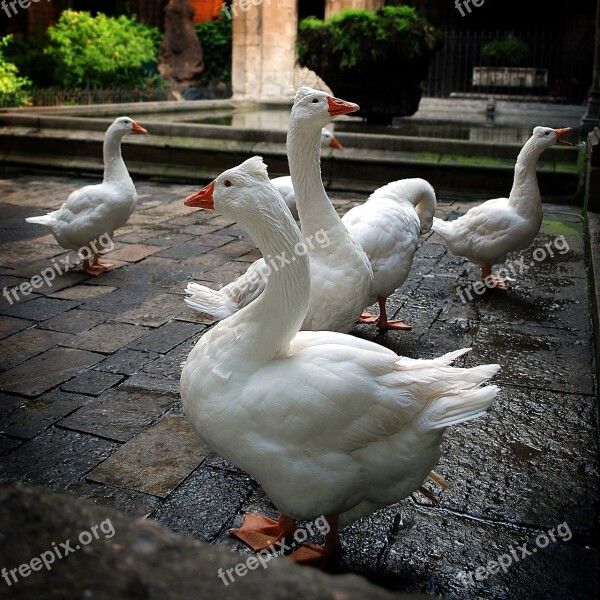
[259, 532]
[91, 268]
[99, 263]
[383, 323]
[319, 557]
[492, 281]
[381, 320]
[438, 480]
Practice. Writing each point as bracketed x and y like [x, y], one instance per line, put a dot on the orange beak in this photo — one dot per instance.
[560, 132]
[335, 144]
[339, 107]
[203, 198]
[135, 128]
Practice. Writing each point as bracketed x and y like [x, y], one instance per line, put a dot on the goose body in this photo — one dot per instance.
[488, 232]
[388, 226]
[341, 274]
[95, 211]
[327, 423]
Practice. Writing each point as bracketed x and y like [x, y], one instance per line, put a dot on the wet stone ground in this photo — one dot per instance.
[89, 401]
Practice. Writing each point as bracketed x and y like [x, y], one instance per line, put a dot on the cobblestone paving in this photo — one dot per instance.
[89, 401]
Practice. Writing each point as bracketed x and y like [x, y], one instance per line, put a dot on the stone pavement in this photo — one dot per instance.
[89, 401]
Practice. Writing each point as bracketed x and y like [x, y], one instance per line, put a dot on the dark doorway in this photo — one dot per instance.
[311, 8]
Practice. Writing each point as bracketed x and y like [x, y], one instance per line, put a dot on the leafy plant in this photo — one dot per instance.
[358, 40]
[510, 52]
[377, 58]
[13, 88]
[215, 39]
[104, 51]
[28, 54]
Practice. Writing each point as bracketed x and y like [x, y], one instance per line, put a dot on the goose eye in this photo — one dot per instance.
[227, 183]
[315, 100]
[547, 133]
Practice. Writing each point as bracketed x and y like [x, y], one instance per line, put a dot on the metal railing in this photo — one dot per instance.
[72, 97]
[549, 73]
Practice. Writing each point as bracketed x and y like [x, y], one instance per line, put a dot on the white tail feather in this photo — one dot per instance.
[457, 408]
[210, 302]
[41, 220]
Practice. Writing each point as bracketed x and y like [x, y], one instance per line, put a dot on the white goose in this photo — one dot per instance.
[284, 183]
[94, 211]
[387, 226]
[329, 424]
[488, 232]
[341, 275]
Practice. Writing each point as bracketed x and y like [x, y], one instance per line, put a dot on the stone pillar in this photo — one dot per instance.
[263, 60]
[333, 7]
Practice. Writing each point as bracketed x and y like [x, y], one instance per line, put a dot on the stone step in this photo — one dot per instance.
[196, 153]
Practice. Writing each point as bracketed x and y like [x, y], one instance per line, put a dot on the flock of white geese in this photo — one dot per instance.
[327, 423]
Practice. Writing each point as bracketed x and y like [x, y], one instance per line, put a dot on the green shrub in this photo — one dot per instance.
[13, 88]
[510, 52]
[29, 55]
[358, 41]
[376, 59]
[215, 39]
[104, 52]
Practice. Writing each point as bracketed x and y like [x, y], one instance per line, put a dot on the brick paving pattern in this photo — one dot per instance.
[89, 401]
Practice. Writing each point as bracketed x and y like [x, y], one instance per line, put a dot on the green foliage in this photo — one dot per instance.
[510, 52]
[103, 51]
[28, 54]
[13, 88]
[215, 39]
[358, 41]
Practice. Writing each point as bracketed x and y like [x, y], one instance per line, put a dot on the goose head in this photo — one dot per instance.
[242, 193]
[123, 126]
[318, 108]
[546, 136]
[328, 140]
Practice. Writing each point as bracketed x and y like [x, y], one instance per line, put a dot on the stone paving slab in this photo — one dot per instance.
[102, 420]
[47, 370]
[156, 461]
[56, 458]
[32, 417]
[118, 414]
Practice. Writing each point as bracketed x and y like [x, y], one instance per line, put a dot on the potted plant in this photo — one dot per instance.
[376, 59]
[505, 62]
[509, 52]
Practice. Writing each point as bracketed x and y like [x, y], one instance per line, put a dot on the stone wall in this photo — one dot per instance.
[264, 58]
[263, 50]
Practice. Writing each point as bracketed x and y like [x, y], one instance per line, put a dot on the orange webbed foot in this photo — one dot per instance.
[259, 532]
[367, 317]
[93, 269]
[395, 325]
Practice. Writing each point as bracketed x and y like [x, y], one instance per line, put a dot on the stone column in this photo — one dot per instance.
[263, 60]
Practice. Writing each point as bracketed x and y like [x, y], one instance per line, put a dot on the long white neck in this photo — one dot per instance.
[114, 166]
[525, 193]
[314, 207]
[274, 318]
